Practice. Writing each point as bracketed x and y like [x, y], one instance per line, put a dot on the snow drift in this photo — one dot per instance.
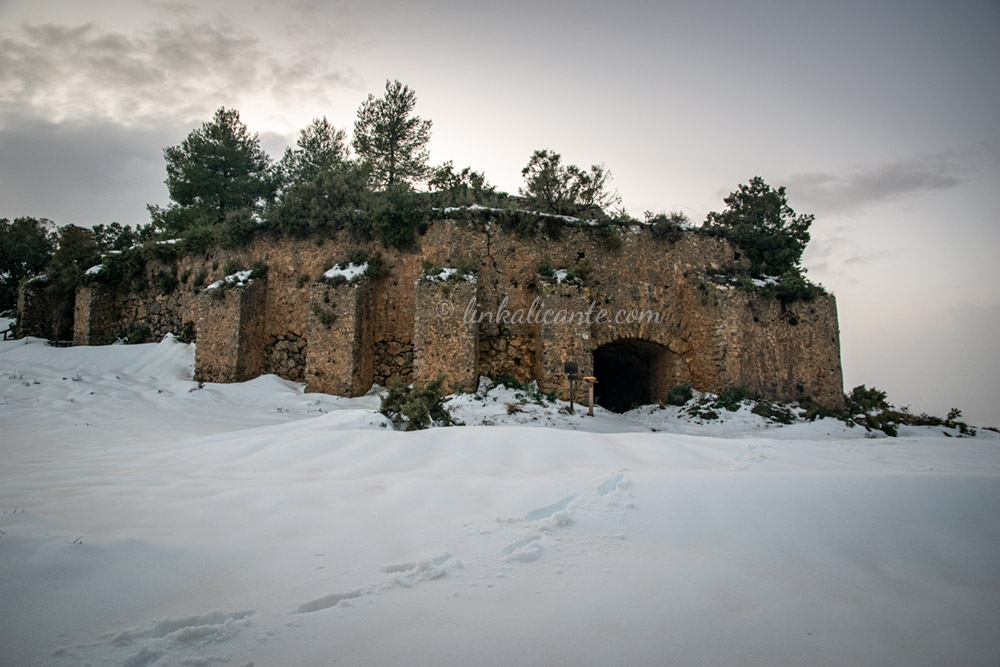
[147, 520]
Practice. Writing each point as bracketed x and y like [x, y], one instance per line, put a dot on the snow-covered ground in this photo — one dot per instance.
[147, 521]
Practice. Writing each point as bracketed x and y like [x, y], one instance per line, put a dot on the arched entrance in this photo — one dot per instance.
[632, 372]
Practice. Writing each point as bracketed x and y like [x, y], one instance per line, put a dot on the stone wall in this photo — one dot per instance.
[34, 310]
[785, 352]
[445, 343]
[340, 348]
[231, 324]
[95, 315]
[564, 314]
[703, 332]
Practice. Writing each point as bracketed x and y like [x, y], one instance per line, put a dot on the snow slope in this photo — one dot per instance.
[147, 521]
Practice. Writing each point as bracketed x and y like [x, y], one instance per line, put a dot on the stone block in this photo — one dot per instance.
[231, 333]
[94, 315]
[444, 342]
[340, 349]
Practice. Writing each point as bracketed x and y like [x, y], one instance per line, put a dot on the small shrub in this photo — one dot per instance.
[526, 392]
[376, 266]
[395, 216]
[258, 271]
[356, 256]
[667, 227]
[776, 412]
[680, 394]
[165, 282]
[232, 266]
[187, 334]
[793, 286]
[610, 238]
[869, 408]
[578, 273]
[863, 400]
[545, 269]
[135, 334]
[952, 421]
[467, 267]
[200, 278]
[731, 398]
[414, 408]
[326, 316]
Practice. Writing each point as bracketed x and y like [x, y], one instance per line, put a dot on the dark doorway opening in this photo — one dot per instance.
[630, 372]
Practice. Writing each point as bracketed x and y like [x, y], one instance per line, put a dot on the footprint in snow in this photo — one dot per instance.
[526, 550]
[403, 574]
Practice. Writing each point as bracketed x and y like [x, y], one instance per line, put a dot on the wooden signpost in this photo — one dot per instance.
[590, 380]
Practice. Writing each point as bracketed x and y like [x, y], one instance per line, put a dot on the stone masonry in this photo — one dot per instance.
[393, 327]
[341, 346]
[444, 343]
[231, 332]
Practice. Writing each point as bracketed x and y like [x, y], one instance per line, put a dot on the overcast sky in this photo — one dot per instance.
[881, 118]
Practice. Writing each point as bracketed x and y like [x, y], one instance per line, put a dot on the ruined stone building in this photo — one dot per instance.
[642, 314]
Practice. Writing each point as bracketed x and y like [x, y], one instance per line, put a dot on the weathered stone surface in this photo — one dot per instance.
[444, 342]
[704, 333]
[231, 333]
[563, 316]
[34, 310]
[340, 348]
[95, 315]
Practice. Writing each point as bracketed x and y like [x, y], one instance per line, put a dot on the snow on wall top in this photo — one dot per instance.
[349, 272]
[238, 279]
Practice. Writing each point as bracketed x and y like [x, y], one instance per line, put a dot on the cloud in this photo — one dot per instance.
[849, 193]
[84, 172]
[163, 73]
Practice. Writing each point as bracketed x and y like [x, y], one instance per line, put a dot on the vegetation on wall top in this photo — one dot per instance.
[224, 190]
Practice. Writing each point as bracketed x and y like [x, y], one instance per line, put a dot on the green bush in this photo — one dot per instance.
[413, 408]
[395, 215]
[232, 267]
[776, 412]
[326, 316]
[135, 334]
[609, 237]
[863, 400]
[680, 394]
[732, 397]
[665, 227]
[165, 282]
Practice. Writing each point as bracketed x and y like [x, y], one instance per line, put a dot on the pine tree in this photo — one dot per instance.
[320, 146]
[220, 168]
[760, 221]
[390, 139]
